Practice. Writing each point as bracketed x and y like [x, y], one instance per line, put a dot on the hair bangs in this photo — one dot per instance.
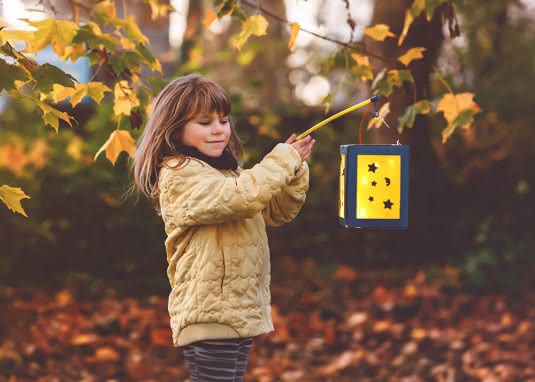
[207, 99]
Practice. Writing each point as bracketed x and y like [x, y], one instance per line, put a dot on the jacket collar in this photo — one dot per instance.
[225, 161]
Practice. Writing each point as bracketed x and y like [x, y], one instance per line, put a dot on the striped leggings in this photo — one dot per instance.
[218, 360]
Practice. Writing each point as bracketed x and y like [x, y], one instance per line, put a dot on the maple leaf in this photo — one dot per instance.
[11, 196]
[10, 74]
[379, 32]
[94, 90]
[411, 55]
[294, 28]
[158, 9]
[363, 69]
[125, 98]
[119, 140]
[52, 115]
[408, 118]
[451, 105]
[254, 25]
[56, 33]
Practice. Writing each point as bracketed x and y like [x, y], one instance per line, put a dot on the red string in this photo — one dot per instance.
[361, 122]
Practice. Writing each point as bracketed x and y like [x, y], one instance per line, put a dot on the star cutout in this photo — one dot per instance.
[372, 167]
[388, 204]
[370, 198]
[374, 183]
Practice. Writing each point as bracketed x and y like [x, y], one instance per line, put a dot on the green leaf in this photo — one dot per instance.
[128, 60]
[362, 72]
[131, 29]
[408, 118]
[47, 75]
[464, 120]
[52, 115]
[393, 78]
[151, 61]
[10, 74]
[91, 34]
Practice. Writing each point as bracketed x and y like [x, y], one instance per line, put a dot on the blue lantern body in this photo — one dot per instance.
[374, 186]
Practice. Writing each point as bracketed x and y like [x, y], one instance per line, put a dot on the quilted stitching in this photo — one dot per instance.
[217, 248]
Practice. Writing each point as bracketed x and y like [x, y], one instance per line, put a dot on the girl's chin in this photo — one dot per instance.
[213, 153]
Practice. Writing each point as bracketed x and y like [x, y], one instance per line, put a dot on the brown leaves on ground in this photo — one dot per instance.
[344, 326]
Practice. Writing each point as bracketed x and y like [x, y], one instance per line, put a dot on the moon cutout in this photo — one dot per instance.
[387, 181]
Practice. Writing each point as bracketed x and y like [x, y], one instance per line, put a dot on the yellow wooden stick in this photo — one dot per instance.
[333, 117]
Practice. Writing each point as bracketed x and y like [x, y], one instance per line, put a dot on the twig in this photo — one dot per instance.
[357, 47]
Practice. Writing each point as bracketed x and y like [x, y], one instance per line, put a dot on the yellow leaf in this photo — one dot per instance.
[52, 115]
[94, 90]
[360, 59]
[254, 25]
[56, 33]
[294, 27]
[379, 32]
[125, 98]
[12, 196]
[209, 18]
[60, 92]
[127, 44]
[383, 112]
[106, 8]
[451, 105]
[119, 140]
[16, 35]
[257, 25]
[406, 25]
[159, 10]
[411, 55]
[74, 52]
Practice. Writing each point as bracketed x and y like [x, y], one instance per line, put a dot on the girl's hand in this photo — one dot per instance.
[303, 146]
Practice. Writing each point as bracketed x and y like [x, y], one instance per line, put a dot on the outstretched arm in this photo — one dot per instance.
[199, 194]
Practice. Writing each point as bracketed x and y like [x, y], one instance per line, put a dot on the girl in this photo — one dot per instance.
[215, 214]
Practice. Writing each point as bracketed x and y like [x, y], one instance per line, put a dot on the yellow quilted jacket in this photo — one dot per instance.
[217, 246]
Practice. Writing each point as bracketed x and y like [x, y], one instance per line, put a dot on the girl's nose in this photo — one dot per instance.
[218, 128]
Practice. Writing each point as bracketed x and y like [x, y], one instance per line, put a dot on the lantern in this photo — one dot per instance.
[374, 179]
[374, 186]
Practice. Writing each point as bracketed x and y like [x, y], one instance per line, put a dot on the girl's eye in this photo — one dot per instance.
[204, 122]
[224, 121]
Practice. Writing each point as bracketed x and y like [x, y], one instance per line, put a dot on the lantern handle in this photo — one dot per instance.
[345, 111]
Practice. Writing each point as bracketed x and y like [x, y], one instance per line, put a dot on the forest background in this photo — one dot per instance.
[455, 84]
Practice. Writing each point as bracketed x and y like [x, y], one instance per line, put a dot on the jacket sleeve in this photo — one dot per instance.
[199, 194]
[286, 204]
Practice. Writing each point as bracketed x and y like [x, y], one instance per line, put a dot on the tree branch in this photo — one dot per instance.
[359, 47]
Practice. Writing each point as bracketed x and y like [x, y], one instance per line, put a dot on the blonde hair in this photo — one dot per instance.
[182, 100]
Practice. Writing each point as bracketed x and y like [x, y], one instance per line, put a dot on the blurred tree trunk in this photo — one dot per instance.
[423, 162]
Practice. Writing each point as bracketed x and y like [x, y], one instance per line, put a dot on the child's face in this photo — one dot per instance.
[210, 134]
